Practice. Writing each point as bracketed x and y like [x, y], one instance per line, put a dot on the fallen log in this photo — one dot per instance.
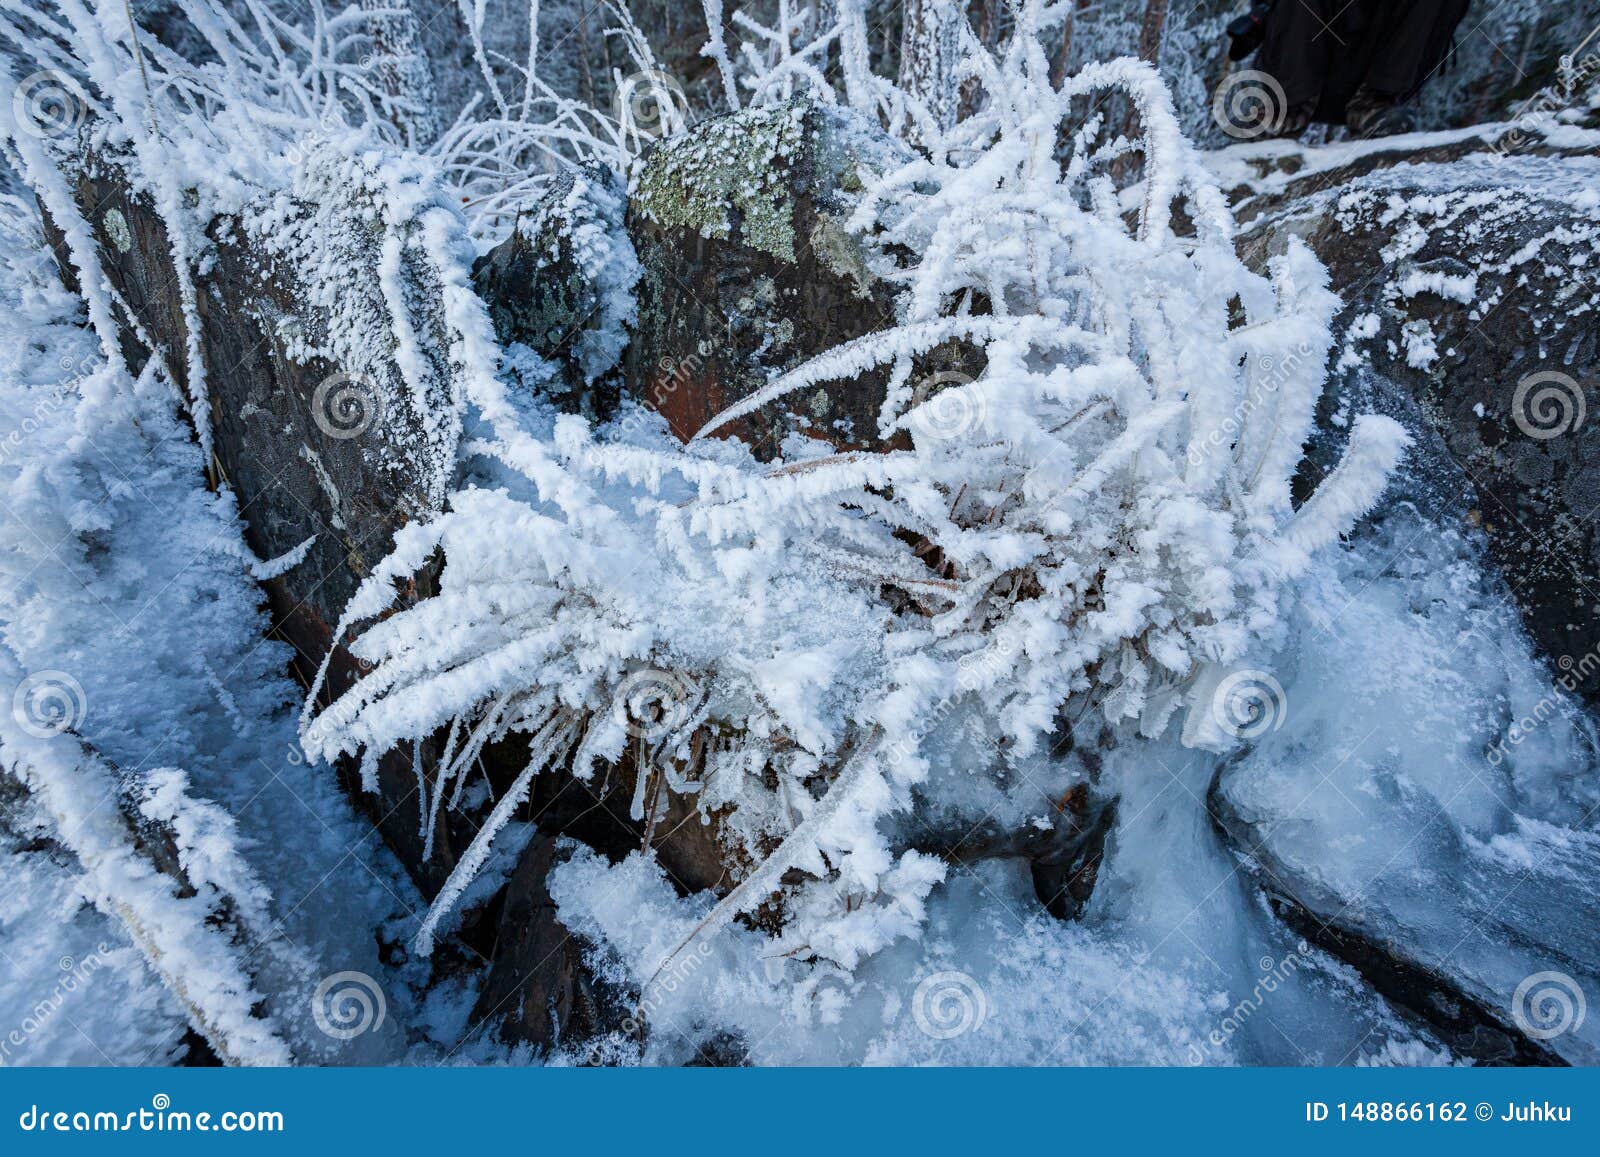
[328, 462]
[327, 459]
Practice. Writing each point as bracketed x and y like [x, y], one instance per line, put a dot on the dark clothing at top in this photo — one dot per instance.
[1321, 51]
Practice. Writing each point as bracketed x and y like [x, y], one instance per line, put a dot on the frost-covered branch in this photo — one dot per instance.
[1098, 517]
[1108, 501]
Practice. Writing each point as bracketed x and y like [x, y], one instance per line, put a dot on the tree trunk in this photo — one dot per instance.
[987, 28]
[1058, 74]
[1153, 30]
[400, 70]
[824, 14]
[930, 49]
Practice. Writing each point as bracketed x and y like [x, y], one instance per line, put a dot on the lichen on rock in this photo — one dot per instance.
[750, 268]
[731, 174]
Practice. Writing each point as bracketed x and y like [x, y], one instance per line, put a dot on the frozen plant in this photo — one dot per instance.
[1099, 520]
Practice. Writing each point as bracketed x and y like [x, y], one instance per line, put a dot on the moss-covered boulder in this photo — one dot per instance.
[748, 271]
[560, 288]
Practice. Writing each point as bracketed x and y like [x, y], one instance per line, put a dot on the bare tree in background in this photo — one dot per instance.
[823, 15]
[1152, 30]
[930, 50]
[1127, 168]
[985, 15]
[400, 70]
[1058, 74]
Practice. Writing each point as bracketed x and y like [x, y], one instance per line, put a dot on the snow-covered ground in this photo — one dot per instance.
[128, 579]
[1109, 504]
[1407, 665]
[126, 594]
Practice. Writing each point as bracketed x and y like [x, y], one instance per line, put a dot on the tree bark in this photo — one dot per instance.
[1058, 74]
[930, 49]
[1152, 30]
[824, 14]
[400, 70]
[987, 29]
